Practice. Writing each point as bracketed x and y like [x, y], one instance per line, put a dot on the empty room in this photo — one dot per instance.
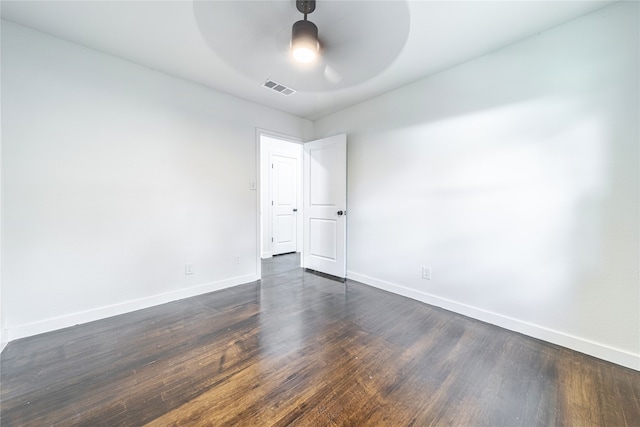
[320, 213]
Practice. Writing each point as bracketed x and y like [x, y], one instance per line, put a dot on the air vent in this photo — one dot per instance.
[270, 84]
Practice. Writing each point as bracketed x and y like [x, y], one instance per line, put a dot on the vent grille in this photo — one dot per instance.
[280, 88]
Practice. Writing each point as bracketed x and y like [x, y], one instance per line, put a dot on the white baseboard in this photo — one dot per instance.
[52, 324]
[4, 339]
[265, 255]
[601, 351]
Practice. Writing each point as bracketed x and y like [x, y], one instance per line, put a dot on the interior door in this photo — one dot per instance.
[325, 203]
[284, 203]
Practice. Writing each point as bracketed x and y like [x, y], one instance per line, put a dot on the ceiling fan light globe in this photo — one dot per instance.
[304, 54]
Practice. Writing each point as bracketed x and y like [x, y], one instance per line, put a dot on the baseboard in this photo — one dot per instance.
[265, 255]
[52, 324]
[601, 351]
[4, 339]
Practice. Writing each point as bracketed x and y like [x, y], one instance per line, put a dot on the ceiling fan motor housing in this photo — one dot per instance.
[304, 30]
[304, 35]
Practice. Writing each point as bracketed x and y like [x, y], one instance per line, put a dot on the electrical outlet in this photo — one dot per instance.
[236, 259]
[188, 269]
[426, 272]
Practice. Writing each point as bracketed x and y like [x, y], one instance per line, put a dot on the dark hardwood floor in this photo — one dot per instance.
[300, 349]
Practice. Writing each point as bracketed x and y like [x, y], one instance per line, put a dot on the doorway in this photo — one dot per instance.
[313, 225]
[280, 195]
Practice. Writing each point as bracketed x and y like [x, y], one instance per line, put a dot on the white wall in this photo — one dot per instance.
[114, 177]
[281, 145]
[515, 178]
[3, 335]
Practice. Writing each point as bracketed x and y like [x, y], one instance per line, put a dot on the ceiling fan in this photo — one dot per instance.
[304, 35]
[263, 40]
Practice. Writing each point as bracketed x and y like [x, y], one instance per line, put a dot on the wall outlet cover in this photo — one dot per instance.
[188, 269]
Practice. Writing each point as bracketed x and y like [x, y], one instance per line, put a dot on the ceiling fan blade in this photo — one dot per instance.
[332, 75]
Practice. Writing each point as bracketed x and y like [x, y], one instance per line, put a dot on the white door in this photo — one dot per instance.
[284, 203]
[325, 203]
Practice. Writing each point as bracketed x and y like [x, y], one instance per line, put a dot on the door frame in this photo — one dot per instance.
[259, 184]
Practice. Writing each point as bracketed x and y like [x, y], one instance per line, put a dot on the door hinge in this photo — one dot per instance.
[271, 165]
[272, 203]
[272, 240]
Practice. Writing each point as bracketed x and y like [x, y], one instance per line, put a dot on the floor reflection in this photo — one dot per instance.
[296, 308]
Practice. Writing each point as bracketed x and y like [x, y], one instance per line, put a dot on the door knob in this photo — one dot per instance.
[295, 210]
[340, 213]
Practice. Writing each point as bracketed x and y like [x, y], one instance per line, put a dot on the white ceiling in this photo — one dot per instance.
[183, 39]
